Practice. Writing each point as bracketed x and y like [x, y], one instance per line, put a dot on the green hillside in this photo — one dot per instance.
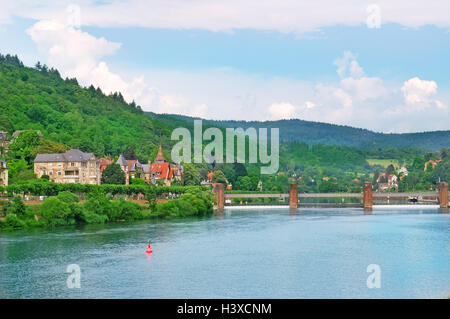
[330, 134]
[69, 114]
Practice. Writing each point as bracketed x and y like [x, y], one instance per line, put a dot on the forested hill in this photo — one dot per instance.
[324, 133]
[71, 115]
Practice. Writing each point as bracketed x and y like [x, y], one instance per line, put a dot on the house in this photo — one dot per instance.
[403, 171]
[73, 166]
[161, 169]
[387, 181]
[104, 162]
[432, 162]
[3, 173]
[131, 168]
[4, 142]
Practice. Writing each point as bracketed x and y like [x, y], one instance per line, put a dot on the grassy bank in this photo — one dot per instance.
[67, 209]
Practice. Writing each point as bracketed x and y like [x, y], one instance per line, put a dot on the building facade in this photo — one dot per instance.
[3, 173]
[4, 142]
[73, 166]
[161, 169]
[131, 168]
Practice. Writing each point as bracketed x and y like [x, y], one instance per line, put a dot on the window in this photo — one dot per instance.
[72, 164]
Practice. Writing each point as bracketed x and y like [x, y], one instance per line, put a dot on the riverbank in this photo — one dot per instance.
[67, 209]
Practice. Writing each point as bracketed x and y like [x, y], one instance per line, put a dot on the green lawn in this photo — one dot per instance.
[383, 162]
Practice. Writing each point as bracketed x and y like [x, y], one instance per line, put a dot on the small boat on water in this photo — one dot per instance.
[413, 199]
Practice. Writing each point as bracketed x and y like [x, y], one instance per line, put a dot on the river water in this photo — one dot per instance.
[244, 253]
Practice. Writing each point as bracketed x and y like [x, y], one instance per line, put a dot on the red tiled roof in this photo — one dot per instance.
[161, 170]
[132, 165]
[105, 162]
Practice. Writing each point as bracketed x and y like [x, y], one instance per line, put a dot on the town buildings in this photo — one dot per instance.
[73, 166]
[431, 163]
[131, 168]
[3, 173]
[160, 170]
[386, 181]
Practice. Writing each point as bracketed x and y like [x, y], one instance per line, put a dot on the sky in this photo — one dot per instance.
[381, 65]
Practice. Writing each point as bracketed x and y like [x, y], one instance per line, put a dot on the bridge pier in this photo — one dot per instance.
[293, 196]
[367, 196]
[220, 195]
[443, 194]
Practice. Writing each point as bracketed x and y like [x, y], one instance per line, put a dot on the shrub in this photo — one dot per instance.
[68, 197]
[57, 212]
[13, 221]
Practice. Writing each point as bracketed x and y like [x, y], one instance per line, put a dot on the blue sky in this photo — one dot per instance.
[241, 60]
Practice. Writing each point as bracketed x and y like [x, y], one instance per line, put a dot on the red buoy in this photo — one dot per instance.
[149, 249]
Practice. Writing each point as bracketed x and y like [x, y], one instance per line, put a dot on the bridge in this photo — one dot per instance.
[441, 197]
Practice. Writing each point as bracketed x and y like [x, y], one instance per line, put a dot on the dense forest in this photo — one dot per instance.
[323, 133]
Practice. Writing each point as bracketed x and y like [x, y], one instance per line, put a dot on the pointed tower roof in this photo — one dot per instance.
[121, 161]
[160, 157]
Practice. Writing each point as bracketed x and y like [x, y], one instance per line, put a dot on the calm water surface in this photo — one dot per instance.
[255, 253]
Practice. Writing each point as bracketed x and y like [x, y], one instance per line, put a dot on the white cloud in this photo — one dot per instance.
[74, 52]
[309, 105]
[347, 66]
[218, 15]
[78, 54]
[357, 99]
[417, 93]
[282, 111]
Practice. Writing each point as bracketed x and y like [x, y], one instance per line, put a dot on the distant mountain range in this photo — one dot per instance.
[324, 133]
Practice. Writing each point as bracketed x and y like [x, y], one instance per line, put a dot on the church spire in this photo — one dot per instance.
[160, 157]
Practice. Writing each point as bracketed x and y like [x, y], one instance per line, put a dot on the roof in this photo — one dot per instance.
[104, 162]
[18, 132]
[3, 136]
[146, 168]
[161, 170]
[160, 157]
[122, 161]
[3, 164]
[133, 164]
[73, 155]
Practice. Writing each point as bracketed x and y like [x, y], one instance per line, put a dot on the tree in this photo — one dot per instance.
[190, 175]
[239, 169]
[24, 144]
[137, 181]
[219, 177]
[49, 147]
[129, 154]
[113, 174]
[390, 169]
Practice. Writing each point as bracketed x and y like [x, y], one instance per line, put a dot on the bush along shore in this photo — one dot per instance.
[66, 209]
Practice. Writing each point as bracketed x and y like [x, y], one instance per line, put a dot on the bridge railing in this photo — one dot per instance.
[368, 196]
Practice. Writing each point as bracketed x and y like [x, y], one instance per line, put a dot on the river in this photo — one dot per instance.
[244, 253]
